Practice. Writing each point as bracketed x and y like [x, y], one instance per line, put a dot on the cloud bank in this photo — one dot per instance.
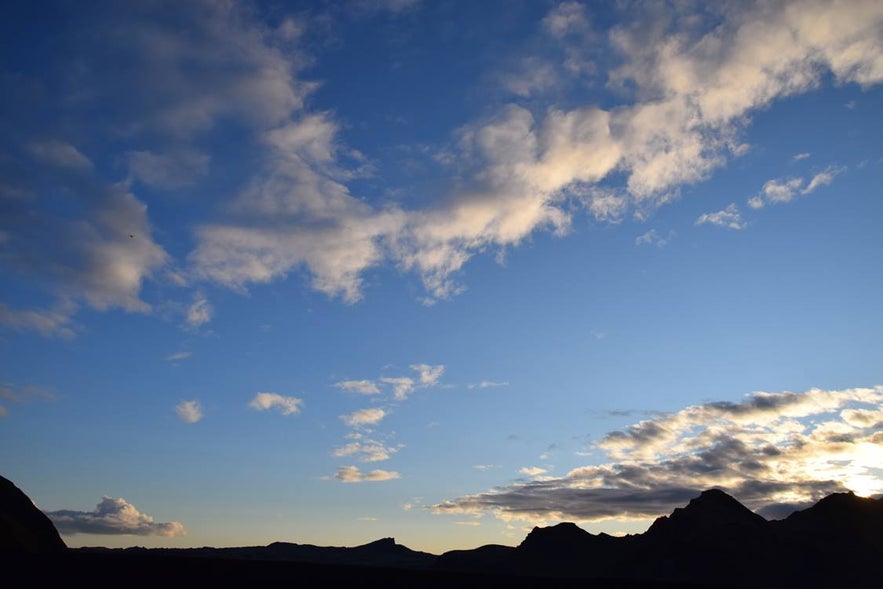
[775, 452]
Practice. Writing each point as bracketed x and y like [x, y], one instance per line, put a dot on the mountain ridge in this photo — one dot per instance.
[713, 541]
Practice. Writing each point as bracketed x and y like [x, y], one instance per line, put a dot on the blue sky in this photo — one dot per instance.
[328, 272]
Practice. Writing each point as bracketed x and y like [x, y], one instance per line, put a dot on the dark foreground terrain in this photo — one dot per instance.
[714, 541]
[113, 569]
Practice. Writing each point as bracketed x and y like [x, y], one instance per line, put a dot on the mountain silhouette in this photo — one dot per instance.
[713, 541]
[380, 553]
[23, 527]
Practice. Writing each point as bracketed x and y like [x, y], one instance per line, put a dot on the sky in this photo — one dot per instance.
[327, 272]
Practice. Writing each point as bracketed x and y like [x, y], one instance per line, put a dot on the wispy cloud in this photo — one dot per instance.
[801, 156]
[49, 323]
[113, 517]
[487, 384]
[822, 179]
[16, 394]
[654, 238]
[402, 386]
[729, 217]
[366, 451]
[352, 474]
[189, 411]
[779, 191]
[200, 311]
[267, 401]
[771, 450]
[178, 356]
[169, 171]
[60, 153]
[567, 18]
[427, 376]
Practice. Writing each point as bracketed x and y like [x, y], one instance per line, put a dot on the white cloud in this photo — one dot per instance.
[771, 450]
[333, 234]
[428, 375]
[693, 93]
[178, 356]
[801, 156]
[777, 191]
[61, 154]
[285, 405]
[484, 467]
[170, 171]
[189, 411]
[532, 471]
[402, 386]
[363, 417]
[363, 387]
[691, 89]
[351, 474]
[729, 217]
[200, 311]
[113, 517]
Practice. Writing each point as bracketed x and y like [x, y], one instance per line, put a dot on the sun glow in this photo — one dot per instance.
[867, 478]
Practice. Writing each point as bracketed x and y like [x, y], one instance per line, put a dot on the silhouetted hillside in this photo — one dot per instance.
[23, 527]
[380, 553]
[714, 541]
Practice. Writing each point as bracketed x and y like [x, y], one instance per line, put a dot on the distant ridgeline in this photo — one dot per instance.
[714, 541]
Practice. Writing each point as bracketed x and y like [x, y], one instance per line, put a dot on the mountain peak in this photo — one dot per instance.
[381, 543]
[712, 508]
[846, 512]
[559, 534]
